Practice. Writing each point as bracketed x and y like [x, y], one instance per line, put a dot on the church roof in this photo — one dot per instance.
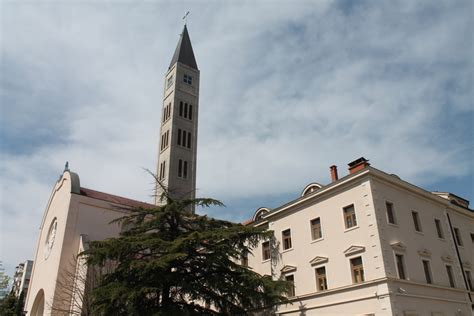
[114, 198]
[184, 51]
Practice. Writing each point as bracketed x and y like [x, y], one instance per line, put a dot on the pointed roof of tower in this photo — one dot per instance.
[184, 51]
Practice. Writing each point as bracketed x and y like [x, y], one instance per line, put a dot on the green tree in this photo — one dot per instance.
[10, 306]
[171, 261]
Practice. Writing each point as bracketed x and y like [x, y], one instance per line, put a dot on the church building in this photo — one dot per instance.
[368, 243]
[75, 215]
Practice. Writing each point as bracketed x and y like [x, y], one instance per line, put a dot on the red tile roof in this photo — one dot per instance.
[247, 222]
[114, 198]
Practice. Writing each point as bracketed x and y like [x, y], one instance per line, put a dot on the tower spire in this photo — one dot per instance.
[184, 51]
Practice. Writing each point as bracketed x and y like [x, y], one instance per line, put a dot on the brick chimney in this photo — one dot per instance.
[357, 165]
[334, 176]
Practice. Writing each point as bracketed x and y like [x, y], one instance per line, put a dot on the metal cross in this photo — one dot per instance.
[185, 17]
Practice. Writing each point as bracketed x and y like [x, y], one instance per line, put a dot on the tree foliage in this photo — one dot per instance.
[170, 261]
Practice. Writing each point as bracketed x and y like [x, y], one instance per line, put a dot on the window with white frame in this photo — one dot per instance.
[350, 216]
[321, 279]
[316, 231]
[390, 212]
[286, 238]
[357, 270]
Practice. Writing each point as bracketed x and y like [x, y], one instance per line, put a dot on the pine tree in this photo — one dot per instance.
[171, 261]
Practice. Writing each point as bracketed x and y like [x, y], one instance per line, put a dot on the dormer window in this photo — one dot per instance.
[188, 79]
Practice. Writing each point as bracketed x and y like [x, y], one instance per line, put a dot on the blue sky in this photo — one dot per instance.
[287, 89]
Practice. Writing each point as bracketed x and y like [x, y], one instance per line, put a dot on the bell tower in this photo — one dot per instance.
[177, 150]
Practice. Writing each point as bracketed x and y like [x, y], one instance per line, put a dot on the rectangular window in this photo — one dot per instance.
[184, 138]
[188, 79]
[416, 221]
[321, 281]
[266, 250]
[185, 110]
[350, 216]
[180, 108]
[457, 235]
[316, 231]
[190, 112]
[469, 280]
[357, 270]
[400, 266]
[449, 271]
[439, 228]
[180, 168]
[185, 169]
[189, 139]
[291, 289]
[390, 213]
[286, 237]
[179, 136]
[427, 270]
[162, 170]
[472, 237]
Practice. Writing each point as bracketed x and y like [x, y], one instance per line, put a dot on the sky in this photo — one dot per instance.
[287, 89]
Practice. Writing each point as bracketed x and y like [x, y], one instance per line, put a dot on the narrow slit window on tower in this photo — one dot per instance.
[184, 139]
[185, 110]
[189, 139]
[185, 169]
[179, 136]
[190, 113]
[180, 108]
[162, 170]
[180, 168]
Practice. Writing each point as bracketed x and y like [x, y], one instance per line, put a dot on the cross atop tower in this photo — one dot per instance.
[185, 17]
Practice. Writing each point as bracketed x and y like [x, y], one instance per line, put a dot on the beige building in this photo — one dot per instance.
[370, 244]
[74, 215]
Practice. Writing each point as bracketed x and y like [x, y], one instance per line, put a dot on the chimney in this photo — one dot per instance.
[334, 176]
[357, 165]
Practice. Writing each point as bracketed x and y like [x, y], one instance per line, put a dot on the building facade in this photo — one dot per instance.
[370, 244]
[21, 278]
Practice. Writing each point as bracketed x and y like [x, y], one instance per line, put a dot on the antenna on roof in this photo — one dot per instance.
[185, 17]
